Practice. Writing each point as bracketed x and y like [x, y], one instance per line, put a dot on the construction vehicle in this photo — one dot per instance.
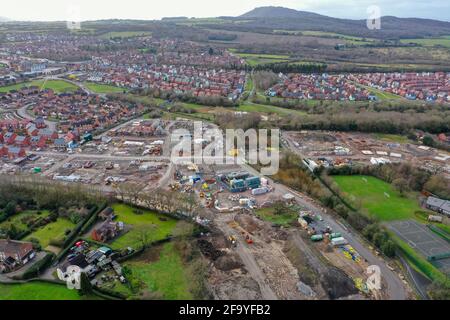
[233, 241]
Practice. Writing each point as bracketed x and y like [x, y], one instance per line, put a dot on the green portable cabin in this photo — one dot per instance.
[317, 237]
[335, 235]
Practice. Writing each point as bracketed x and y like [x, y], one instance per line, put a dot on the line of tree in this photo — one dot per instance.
[292, 67]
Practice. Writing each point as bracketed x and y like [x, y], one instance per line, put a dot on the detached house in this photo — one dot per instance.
[14, 254]
[107, 231]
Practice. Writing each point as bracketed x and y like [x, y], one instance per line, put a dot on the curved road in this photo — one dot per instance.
[395, 287]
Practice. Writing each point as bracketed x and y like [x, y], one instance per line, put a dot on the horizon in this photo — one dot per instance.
[84, 10]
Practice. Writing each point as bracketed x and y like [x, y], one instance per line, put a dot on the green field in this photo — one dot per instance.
[20, 220]
[138, 222]
[59, 86]
[324, 34]
[369, 193]
[37, 291]
[165, 275]
[283, 219]
[52, 231]
[254, 59]
[391, 137]
[430, 42]
[253, 107]
[103, 88]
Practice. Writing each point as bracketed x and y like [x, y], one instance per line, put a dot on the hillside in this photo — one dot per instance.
[267, 19]
[278, 12]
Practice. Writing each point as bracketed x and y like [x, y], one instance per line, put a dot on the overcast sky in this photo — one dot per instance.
[151, 9]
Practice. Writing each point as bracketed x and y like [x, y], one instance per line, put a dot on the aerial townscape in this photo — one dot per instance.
[90, 121]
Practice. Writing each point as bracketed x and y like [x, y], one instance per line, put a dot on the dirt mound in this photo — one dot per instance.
[227, 263]
[337, 284]
[208, 249]
[238, 288]
[249, 223]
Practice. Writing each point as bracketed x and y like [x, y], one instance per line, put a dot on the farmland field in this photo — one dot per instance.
[52, 231]
[59, 86]
[442, 41]
[161, 224]
[165, 274]
[103, 88]
[37, 291]
[378, 198]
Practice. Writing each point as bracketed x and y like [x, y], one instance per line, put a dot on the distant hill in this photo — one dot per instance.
[3, 19]
[278, 12]
[278, 18]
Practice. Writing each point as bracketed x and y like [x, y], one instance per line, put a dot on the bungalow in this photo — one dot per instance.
[14, 254]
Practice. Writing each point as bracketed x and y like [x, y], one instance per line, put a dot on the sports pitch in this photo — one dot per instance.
[420, 238]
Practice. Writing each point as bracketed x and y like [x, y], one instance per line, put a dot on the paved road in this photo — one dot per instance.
[395, 287]
[22, 112]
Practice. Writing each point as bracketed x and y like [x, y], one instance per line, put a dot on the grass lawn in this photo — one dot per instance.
[140, 222]
[253, 107]
[37, 291]
[392, 137]
[165, 275]
[54, 230]
[103, 88]
[20, 220]
[370, 193]
[59, 86]
[254, 59]
[281, 219]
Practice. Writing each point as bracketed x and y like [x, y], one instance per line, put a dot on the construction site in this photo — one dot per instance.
[326, 148]
[304, 258]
